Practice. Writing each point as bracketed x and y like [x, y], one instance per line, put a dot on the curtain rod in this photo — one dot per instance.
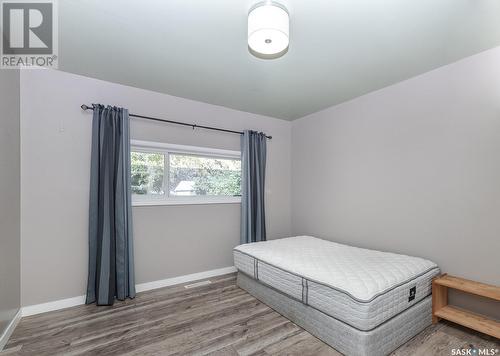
[194, 126]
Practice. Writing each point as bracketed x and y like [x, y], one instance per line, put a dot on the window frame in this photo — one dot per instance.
[166, 149]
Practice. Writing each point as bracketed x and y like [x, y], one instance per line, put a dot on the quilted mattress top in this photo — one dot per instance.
[363, 274]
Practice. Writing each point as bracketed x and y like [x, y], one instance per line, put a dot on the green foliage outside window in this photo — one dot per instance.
[147, 173]
[211, 176]
[202, 175]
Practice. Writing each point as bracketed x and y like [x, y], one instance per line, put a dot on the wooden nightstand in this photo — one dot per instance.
[441, 309]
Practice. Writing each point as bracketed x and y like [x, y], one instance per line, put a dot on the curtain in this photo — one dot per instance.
[253, 173]
[111, 260]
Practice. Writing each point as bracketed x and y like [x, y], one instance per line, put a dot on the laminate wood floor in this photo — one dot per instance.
[215, 319]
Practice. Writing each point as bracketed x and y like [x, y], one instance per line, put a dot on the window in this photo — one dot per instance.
[165, 174]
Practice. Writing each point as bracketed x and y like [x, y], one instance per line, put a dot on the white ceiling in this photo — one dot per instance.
[339, 49]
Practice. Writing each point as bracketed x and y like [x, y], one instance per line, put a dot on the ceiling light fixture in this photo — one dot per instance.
[268, 30]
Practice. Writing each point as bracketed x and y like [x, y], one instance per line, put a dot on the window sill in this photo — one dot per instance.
[191, 201]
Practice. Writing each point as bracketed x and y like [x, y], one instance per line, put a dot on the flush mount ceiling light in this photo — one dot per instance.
[268, 30]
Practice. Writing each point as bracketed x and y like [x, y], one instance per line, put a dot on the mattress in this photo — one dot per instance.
[359, 287]
[348, 340]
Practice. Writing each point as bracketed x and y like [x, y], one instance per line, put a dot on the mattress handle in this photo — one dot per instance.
[305, 291]
[256, 268]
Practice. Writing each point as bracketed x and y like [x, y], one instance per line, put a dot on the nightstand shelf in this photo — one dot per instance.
[441, 309]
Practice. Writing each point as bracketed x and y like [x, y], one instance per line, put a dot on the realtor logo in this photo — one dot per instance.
[29, 34]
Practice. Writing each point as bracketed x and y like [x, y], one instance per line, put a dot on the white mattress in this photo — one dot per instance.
[360, 287]
[348, 340]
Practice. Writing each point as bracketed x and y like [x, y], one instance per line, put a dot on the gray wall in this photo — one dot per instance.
[413, 168]
[9, 197]
[169, 240]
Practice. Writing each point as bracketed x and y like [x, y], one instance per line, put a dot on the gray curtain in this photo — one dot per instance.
[111, 260]
[253, 173]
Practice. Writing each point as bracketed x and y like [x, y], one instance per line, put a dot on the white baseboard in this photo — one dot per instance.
[183, 279]
[71, 302]
[51, 306]
[10, 329]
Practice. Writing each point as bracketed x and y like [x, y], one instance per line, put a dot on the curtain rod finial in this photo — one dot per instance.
[84, 107]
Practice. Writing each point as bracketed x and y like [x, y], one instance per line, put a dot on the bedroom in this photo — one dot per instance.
[383, 125]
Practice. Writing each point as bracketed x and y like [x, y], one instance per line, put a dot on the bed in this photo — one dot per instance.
[359, 301]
